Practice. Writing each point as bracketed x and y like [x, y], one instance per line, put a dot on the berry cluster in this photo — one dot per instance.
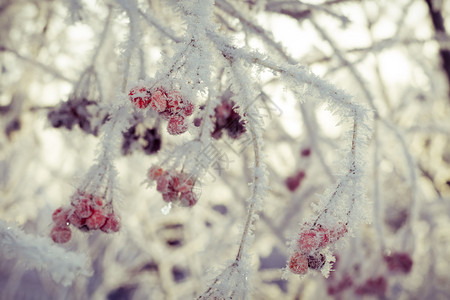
[309, 243]
[174, 186]
[169, 104]
[227, 119]
[87, 213]
[148, 139]
[77, 111]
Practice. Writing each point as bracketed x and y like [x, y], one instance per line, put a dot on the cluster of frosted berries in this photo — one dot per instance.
[171, 106]
[309, 243]
[148, 139]
[77, 111]
[86, 213]
[175, 187]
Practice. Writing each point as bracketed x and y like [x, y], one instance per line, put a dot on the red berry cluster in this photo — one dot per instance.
[169, 104]
[87, 213]
[174, 186]
[310, 241]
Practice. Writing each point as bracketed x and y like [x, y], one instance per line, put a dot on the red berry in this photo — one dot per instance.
[298, 263]
[323, 235]
[61, 234]
[176, 125]
[159, 100]
[60, 216]
[140, 96]
[96, 220]
[112, 224]
[399, 262]
[306, 152]
[293, 182]
[338, 232]
[83, 207]
[308, 241]
[174, 102]
[162, 183]
[76, 221]
[188, 199]
[183, 183]
[188, 109]
[170, 196]
[155, 172]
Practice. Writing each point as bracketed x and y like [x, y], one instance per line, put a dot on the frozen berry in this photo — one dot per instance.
[162, 183]
[96, 220]
[316, 261]
[159, 100]
[76, 221]
[170, 196]
[140, 96]
[308, 241]
[298, 263]
[60, 216]
[83, 206]
[338, 232]
[174, 102]
[176, 125]
[188, 199]
[188, 109]
[155, 172]
[61, 234]
[112, 224]
[183, 183]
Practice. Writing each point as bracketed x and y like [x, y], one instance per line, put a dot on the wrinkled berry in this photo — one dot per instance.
[298, 263]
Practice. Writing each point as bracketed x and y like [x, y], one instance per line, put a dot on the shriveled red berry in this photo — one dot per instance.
[83, 207]
[298, 263]
[188, 199]
[177, 125]
[60, 216]
[61, 234]
[316, 261]
[140, 96]
[112, 224]
[159, 100]
[96, 220]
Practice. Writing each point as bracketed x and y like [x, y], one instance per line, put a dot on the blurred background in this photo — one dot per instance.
[62, 61]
